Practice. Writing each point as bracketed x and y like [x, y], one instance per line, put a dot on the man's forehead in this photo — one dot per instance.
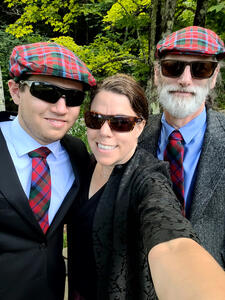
[184, 57]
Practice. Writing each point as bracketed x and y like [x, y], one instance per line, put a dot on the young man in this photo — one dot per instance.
[38, 187]
[185, 73]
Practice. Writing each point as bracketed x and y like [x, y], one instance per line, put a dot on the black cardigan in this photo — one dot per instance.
[130, 219]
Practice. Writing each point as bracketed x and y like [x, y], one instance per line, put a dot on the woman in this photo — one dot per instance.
[128, 230]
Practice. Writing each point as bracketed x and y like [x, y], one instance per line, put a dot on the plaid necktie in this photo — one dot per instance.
[174, 154]
[40, 192]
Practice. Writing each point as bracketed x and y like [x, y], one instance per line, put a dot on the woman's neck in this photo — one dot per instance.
[100, 176]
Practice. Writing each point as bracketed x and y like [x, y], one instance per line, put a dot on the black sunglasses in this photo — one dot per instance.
[118, 123]
[51, 93]
[199, 69]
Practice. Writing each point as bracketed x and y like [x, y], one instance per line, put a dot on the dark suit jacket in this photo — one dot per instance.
[31, 263]
[207, 213]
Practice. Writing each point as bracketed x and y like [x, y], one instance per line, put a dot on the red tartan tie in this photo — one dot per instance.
[40, 192]
[174, 154]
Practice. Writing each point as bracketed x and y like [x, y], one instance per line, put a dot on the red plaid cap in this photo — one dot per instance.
[48, 59]
[192, 40]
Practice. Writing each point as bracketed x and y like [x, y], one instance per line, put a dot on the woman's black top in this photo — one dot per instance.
[85, 282]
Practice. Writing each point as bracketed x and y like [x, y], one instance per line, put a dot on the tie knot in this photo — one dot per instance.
[176, 135]
[40, 152]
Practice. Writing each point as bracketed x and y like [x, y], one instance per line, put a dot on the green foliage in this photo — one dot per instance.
[217, 8]
[55, 13]
[68, 42]
[131, 18]
[104, 56]
[79, 128]
[64, 240]
[216, 17]
[220, 88]
[119, 39]
[185, 13]
[124, 11]
[8, 42]
[62, 17]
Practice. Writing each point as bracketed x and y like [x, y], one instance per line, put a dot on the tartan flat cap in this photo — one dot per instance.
[192, 40]
[48, 59]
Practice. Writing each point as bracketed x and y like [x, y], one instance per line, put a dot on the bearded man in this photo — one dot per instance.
[189, 134]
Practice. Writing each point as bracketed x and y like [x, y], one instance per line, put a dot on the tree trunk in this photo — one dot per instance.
[200, 13]
[2, 99]
[162, 20]
[150, 89]
[168, 8]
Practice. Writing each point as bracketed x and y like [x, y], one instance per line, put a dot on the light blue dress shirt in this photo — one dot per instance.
[62, 176]
[193, 135]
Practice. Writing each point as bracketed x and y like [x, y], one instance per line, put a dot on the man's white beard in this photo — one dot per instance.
[181, 107]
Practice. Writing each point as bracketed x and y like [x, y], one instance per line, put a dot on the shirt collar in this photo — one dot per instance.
[189, 131]
[24, 143]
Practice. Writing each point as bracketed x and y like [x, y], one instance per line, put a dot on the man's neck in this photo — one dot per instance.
[177, 123]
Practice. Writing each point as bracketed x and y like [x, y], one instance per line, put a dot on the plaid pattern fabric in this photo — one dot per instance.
[192, 40]
[48, 59]
[174, 154]
[40, 192]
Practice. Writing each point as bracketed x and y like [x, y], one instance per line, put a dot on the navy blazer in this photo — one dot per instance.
[207, 213]
[31, 263]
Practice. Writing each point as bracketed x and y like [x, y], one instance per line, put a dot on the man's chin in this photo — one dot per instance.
[180, 111]
[181, 107]
[180, 114]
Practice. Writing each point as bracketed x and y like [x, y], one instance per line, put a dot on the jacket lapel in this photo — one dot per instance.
[150, 135]
[66, 204]
[79, 159]
[11, 188]
[211, 167]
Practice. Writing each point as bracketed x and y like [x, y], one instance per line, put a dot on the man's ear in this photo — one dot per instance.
[14, 91]
[213, 80]
[156, 73]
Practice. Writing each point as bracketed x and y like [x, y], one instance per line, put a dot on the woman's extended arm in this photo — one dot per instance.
[182, 269]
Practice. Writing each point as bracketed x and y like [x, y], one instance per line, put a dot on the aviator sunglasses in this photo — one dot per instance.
[199, 69]
[118, 123]
[51, 93]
